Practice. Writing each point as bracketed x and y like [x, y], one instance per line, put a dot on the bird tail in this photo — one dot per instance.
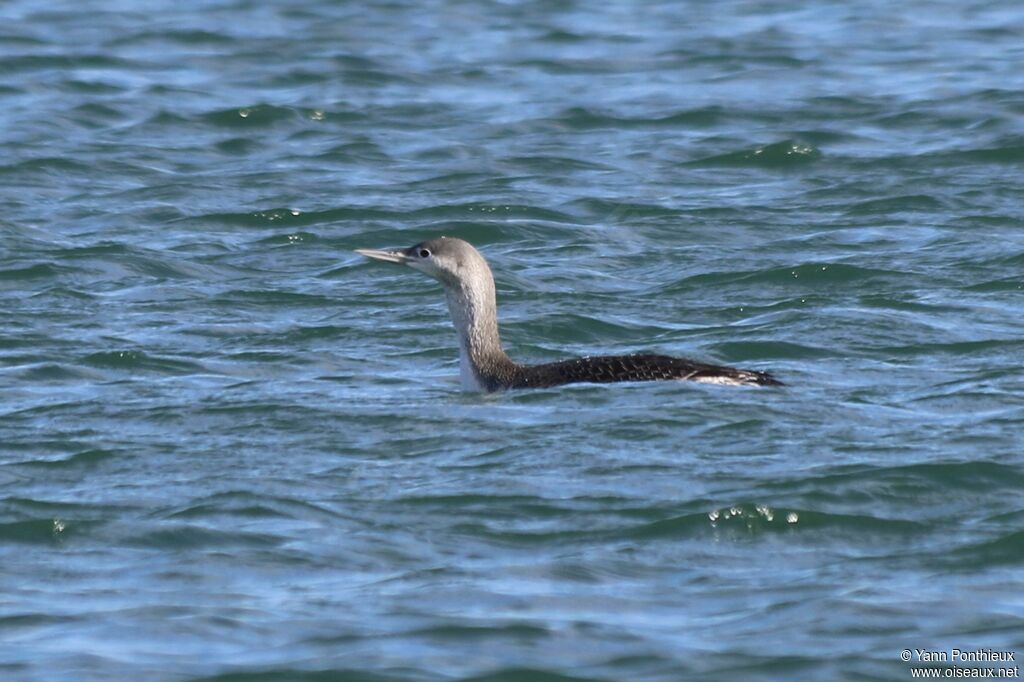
[730, 376]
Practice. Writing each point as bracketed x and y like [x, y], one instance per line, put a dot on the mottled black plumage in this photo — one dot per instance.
[645, 367]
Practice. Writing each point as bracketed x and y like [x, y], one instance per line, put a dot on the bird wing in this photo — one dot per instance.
[609, 368]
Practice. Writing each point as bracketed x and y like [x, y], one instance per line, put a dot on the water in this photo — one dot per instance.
[232, 449]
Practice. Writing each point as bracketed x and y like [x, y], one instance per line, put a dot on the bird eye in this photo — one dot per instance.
[424, 253]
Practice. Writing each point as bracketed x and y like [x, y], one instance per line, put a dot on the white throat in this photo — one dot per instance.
[473, 314]
[467, 377]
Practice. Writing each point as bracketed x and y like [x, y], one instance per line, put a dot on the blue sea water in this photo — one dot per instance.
[232, 449]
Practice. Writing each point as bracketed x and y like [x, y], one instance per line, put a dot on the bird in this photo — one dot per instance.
[485, 366]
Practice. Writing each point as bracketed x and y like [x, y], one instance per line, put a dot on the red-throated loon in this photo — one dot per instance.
[483, 364]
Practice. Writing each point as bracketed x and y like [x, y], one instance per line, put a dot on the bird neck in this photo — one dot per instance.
[483, 364]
